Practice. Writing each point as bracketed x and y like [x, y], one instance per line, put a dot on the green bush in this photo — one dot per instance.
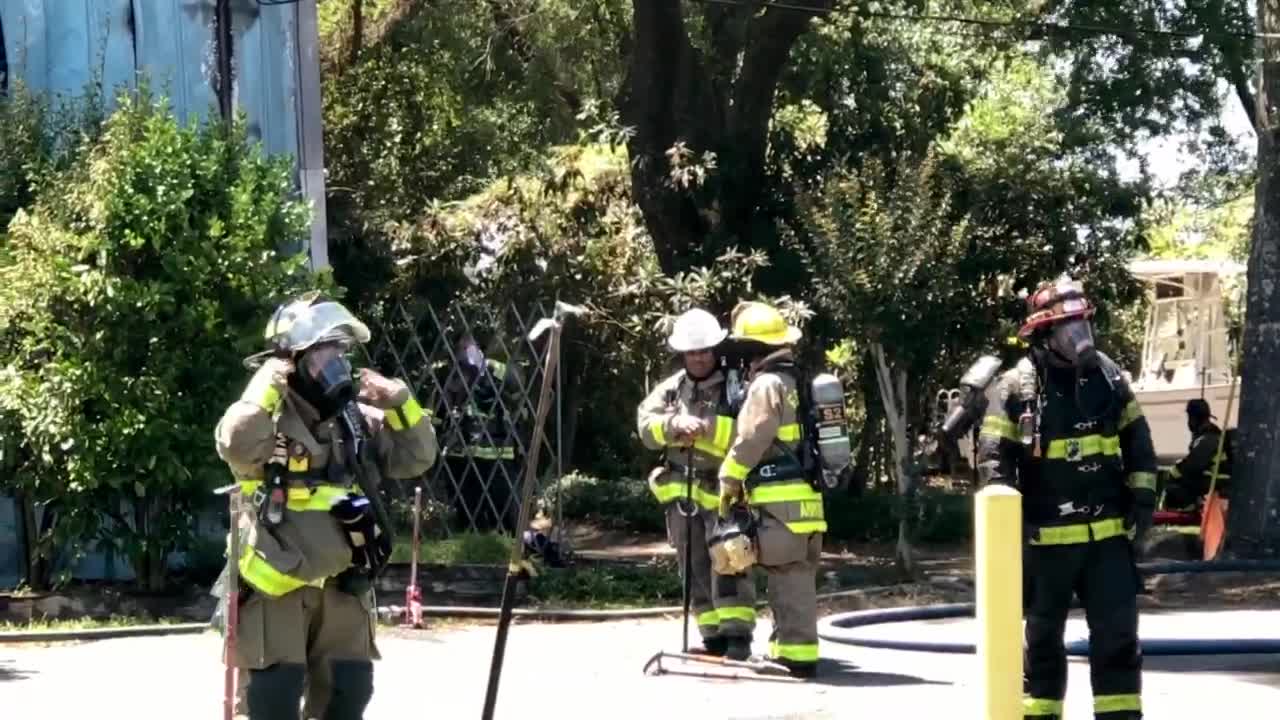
[608, 586]
[131, 288]
[619, 504]
[464, 549]
[939, 518]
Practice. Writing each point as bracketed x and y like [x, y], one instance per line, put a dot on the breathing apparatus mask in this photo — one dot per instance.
[1070, 344]
[325, 379]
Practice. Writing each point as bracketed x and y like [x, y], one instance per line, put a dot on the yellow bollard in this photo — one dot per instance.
[998, 572]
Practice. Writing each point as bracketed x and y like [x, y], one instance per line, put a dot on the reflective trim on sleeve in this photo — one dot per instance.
[734, 470]
[1142, 481]
[1000, 427]
[1131, 412]
[406, 416]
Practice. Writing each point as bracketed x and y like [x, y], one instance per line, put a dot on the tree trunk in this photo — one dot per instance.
[29, 537]
[893, 393]
[720, 102]
[357, 32]
[1255, 502]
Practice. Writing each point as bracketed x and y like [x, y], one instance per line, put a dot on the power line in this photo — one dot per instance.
[994, 23]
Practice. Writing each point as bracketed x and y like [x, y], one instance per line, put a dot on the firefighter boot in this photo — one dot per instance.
[738, 648]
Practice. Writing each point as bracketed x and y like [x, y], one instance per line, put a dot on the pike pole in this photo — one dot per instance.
[518, 566]
[413, 593]
[232, 618]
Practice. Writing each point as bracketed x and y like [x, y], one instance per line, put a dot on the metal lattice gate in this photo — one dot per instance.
[478, 375]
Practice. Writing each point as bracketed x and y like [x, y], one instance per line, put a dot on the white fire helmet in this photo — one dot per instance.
[696, 329]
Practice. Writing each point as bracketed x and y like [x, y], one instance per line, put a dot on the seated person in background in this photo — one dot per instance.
[1189, 479]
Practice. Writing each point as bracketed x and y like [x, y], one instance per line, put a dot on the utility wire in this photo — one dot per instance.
[990, 22]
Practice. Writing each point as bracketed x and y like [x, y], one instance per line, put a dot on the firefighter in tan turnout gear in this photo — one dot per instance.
[764, 467]
[295, 442]
[689, 418]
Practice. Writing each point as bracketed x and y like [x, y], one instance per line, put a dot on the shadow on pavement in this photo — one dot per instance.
[839, 673]
[1255, 669]
[8, 672]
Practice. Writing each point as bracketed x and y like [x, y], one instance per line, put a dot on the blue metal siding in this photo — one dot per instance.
[60, 46]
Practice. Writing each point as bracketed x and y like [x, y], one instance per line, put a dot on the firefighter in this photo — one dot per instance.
[763, 468]
[478, 416]
[1065, 429]
[311, 541]
[688, 417]
[1189, 479]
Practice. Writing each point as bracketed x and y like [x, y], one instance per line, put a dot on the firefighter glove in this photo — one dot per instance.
[730, 495]
[686, 428]
[380, 391]
[370, 547]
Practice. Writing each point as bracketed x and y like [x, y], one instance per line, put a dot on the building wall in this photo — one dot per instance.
[63, 46]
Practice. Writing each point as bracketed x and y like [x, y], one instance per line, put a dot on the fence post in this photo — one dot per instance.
[998, 572]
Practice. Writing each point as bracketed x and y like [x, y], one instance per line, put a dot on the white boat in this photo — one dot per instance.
[1186, 351]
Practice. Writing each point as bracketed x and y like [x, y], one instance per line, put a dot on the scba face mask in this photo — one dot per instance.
[327, 375]
[1071, 343]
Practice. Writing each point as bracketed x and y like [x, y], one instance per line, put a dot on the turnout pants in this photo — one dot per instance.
[317, 641]
[1102, 573]
[791, 562]
[722, 605]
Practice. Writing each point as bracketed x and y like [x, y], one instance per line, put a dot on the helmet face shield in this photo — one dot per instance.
[300, 328]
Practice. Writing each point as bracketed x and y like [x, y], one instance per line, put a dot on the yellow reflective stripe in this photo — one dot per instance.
[262, 392]
[789, 433]
[745, 614]
[659, 435]
[258, 572]
[302, 499]
[783, 492]
[1041, 706]
[1116, 703]
[807, 527]
[1131, 412]
[724, 432]
[733, 469]
[672, 491]
[805, 652]
[710, 448]
[1142, 481]
[1080, 533]
[1174, 472]
[1000, 427]
[1089, 445]
[406, 416]
[710, 617]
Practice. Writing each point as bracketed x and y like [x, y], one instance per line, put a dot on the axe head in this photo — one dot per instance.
[562, 309]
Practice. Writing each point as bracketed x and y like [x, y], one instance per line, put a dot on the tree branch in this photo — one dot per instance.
[769, 39]
[510, 29]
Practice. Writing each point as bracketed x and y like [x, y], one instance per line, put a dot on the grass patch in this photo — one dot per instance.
[464, 549]
[607, 587]
[115, 621]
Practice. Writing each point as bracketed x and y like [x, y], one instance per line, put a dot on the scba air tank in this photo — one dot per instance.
[827, 395]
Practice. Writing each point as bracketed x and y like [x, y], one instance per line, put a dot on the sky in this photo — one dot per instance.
[1167, 159]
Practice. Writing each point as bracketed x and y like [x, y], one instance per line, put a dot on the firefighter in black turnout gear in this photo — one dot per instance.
[1063, 427]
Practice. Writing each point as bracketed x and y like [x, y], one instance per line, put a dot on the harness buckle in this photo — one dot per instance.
[768, 471]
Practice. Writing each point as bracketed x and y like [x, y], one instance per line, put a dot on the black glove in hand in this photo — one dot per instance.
[1139, 520]
[369, 548]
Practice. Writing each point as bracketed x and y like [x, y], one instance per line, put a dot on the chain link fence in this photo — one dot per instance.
[478, 375]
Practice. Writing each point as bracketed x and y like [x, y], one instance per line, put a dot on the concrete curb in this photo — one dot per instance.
[436, 611]
[24, 636]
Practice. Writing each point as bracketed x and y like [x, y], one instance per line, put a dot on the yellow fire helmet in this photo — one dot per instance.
[764, 324]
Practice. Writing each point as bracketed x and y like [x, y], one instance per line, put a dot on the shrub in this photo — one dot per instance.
[131, 289]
